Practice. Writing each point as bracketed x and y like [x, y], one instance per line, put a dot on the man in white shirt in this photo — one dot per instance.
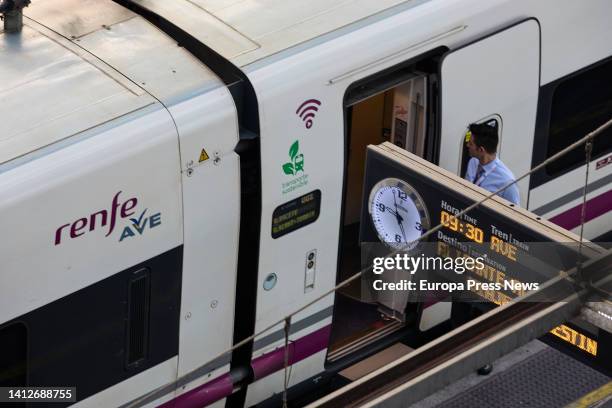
[484, 168]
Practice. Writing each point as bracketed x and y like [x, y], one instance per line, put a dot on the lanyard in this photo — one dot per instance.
[484, 175]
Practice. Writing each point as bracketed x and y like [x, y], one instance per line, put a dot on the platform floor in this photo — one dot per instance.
[534, 376]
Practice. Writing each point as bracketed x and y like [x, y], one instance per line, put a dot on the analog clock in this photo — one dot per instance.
[398, 213]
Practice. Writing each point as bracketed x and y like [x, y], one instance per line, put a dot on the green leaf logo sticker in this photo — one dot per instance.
[297, 160]
[288, 168]
[293, 150]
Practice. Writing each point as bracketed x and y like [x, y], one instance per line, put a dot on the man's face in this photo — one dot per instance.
[475, 151]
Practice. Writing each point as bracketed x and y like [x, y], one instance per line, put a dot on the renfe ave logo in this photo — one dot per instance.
[109, 218]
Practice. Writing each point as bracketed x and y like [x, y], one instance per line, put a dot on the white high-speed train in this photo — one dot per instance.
[150, 151]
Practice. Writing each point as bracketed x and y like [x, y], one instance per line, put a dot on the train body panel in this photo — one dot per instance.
[121, 166]
[96, 226]
[130, 169]
[77, 213]
[285, 81]
[133, 387]
[211, 186]
[566, 192]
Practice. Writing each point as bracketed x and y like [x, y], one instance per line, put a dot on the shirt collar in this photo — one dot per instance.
[490, 165]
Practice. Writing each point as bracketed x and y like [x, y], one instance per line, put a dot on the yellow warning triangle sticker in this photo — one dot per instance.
[203, 156]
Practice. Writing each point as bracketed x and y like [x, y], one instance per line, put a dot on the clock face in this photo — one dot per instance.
[398, 213]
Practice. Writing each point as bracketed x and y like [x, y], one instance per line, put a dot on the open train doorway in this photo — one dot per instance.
[398, 105]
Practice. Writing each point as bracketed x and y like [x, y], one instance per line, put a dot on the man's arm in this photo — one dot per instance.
[471, 170]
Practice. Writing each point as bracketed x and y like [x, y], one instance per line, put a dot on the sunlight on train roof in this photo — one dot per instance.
[245, 31]
[50, 93]
[81, 63]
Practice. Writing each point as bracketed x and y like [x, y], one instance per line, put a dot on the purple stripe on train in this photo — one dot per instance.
[262, 366]
[594, 208]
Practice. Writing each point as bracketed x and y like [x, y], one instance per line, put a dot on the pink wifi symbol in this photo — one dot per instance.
[307, 111]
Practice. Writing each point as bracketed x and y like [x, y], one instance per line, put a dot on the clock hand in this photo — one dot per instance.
[402, 229]
[399, 218]
[395, 203]
[391, 211]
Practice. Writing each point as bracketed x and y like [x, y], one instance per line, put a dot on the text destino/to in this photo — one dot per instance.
[404, 262]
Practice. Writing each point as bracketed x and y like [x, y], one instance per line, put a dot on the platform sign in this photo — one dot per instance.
[516, 244]
[406, 196]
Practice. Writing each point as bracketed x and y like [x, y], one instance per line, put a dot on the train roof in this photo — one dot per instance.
[246, 31]
[81, 63]
[78, 64]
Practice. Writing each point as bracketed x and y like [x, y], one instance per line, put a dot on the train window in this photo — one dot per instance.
[580, 104]
[13, 355]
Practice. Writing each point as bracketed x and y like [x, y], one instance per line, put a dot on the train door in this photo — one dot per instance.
[210, 185]
[397, 105]
[496, 78]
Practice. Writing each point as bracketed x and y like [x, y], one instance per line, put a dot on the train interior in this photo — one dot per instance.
[399, 107]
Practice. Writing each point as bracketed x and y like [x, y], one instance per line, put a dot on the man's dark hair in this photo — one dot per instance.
[485, 136]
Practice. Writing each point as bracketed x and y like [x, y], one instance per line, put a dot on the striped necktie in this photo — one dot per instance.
[479, 174]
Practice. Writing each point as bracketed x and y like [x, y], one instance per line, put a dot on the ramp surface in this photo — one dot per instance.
[533, 376]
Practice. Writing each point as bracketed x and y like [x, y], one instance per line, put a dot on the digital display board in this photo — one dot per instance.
[296, 213]
[406, 196]
[508, 241]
